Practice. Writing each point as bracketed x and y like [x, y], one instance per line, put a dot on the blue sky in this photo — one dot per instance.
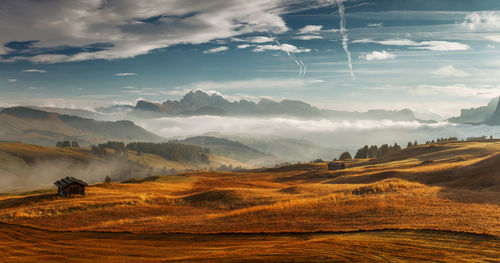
[431, 56]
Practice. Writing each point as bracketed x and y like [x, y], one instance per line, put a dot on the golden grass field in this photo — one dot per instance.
[432, 202]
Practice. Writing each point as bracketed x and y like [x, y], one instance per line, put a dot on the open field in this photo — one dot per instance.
[450, 190]
[28, 244]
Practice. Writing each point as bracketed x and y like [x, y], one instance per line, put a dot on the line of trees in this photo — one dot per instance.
[172, 151]
[374, 151]
[64, 144]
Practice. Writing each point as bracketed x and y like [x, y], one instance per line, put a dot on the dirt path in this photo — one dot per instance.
[24, 244]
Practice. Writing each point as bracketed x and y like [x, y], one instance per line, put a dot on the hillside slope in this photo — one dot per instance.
[27, 167]
[232, 149]
[457, 191]
[46, 128]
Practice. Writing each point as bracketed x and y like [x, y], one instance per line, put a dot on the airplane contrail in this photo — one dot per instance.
[345, 38]
[291, 55]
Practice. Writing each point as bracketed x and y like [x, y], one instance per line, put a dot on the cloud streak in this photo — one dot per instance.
[216, 50]
[450, 71]
[125, 74]
[427, 45]
[345, 38]
[34, 71]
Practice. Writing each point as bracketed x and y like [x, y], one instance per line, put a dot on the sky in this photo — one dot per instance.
[432, 56]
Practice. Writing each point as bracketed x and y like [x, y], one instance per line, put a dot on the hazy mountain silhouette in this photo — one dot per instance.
[201, 103]
[41, 127]
[476, 115]
[494, 120]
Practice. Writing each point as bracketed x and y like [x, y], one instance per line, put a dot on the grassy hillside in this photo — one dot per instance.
[46, 128]
[26, 167]
[442, 198]
[232, 149]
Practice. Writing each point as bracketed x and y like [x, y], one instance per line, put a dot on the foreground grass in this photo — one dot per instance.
[458, 191]
[33, 245]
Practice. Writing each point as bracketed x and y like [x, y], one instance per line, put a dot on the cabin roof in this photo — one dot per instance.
[335, 163]
[69, 180]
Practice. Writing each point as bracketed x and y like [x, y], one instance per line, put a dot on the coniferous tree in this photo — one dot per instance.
[345, 156]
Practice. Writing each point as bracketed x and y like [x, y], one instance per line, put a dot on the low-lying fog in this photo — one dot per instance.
[339, 135]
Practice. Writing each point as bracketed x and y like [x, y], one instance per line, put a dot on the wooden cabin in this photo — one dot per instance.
[336, 166]
[70, 186]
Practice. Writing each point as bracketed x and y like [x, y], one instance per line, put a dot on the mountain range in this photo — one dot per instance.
[489, 114]
[201, 103]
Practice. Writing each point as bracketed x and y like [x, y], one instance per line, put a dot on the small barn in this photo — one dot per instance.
[69, 186]
[336, 166]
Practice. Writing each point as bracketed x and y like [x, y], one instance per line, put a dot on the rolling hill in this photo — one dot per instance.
[232, 149]
[441, 198]
[46, 128]
[26, 167]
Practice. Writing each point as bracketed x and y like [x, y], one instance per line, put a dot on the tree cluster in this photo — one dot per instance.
[64, 144]
[374, 151]
[450, 139]
[172, 151]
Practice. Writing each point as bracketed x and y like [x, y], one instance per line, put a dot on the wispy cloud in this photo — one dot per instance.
[34, 71]
[259, 39]
[428, 45]
[216, 50]
[450, 71]
[457, 90]
[311, 29]
[253, 84]
[485, 19]
[243, 46]
[374, 24]
[494, 38]
[308, 37]
[378, 55]
[125, 74]
[11, 80]
[282, 47]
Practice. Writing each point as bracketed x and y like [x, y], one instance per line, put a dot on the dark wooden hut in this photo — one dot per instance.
[336, 166]
[69, 186]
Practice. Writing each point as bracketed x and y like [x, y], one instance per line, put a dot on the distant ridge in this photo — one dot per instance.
[41, 127]
[200, 103]
[494, 120]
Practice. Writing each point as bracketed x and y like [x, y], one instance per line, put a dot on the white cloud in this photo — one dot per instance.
[457, 90]
[215, 50]
[428, 45]
[131, 28]
[283, 47]
[483, 20]
[311, 29]
[252, 84]
[494, 38]
[34, 71]
[126, 74]
[490, 46]
[376, 55]
[129, 87]
[375, 24]
[11, 80]
[259, 39]
[242, 46]
[389, 42]
[450, 71]
[308, 37]
[443, 46]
